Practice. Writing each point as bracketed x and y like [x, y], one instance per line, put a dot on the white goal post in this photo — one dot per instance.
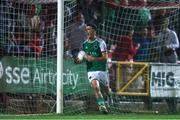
[60, 42]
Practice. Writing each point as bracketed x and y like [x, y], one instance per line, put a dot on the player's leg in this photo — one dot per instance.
[105, 87]
[99, 96]
[107, 93]
[93, 78]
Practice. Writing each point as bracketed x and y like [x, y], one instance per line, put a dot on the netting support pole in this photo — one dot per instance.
[60, 44]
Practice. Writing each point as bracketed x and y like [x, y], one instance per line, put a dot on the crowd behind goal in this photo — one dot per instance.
[134, 30]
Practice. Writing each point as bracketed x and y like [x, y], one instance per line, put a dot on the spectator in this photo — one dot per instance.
[5, 24]
[12, 46]
[22, 42]
[36, 45]
[169, 46]
[77, 34]
[143, 16]
[170, 43]
[52, 38]
[5, 17]
[100, 11]
[118, 18]
[113, 5]
[125, 49]
[143, 51]
[37, 39]
[89, 10]
[139, 18]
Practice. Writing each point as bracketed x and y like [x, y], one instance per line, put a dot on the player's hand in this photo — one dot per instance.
[89, 58]
[76, 61]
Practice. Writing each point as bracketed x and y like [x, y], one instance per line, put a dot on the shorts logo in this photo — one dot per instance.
[1, 70]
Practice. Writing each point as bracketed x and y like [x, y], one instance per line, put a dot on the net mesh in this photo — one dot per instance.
[28, 56]
[147, 23]
[136, 32]
[28, 35]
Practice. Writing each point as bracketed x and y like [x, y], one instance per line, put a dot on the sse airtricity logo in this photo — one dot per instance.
[1, 70]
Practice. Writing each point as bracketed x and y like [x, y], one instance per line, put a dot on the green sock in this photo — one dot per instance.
[100, 100]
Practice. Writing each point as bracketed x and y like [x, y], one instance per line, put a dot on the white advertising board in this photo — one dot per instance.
[165, 80]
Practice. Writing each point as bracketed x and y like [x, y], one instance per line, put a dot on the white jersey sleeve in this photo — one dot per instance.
[102, 46]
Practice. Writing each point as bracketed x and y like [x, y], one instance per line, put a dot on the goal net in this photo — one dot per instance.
[28, 56]
[137, 31]
[28, 39]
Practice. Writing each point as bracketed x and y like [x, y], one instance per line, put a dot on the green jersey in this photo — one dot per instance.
[95, 48]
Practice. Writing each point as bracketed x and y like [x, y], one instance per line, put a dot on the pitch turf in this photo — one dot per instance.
[91, 117]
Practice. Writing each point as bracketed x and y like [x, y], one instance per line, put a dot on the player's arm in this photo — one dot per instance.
[102, 58]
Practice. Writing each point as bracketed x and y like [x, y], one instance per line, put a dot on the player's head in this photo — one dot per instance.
[91, 31]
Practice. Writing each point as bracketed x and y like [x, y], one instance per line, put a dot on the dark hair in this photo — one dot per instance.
[92, 25]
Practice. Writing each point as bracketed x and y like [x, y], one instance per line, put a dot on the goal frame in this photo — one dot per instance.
[60, 44]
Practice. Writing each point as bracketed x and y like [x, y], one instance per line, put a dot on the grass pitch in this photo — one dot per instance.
[91, 117]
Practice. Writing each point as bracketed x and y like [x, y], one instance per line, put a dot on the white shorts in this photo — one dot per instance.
[101, 76]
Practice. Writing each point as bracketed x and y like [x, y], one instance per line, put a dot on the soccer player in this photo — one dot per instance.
[96, 59]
